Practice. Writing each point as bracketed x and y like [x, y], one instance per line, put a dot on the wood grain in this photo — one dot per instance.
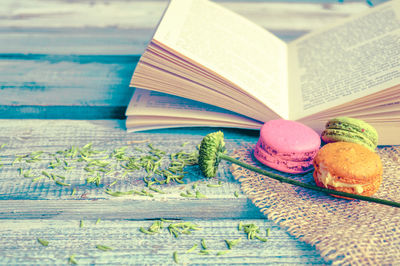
[45, 198]
[47, 86]
[130, 246]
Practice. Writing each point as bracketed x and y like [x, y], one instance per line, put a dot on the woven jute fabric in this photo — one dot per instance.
[344, 231]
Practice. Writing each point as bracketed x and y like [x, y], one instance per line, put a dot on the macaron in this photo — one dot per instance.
[287, 146]
[348, 167]
[350, 130]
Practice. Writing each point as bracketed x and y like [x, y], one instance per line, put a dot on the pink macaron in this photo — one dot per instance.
[287, 146]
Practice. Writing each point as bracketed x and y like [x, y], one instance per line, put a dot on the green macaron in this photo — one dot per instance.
[350, 130]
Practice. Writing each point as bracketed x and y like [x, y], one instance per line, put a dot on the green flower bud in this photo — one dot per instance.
[211, 147]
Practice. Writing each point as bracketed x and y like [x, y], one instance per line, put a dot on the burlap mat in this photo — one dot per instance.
[344, 231]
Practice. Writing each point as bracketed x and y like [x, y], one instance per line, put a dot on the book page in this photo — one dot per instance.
[347, 61]
[139, 122]
[157, 104]
[231, 46]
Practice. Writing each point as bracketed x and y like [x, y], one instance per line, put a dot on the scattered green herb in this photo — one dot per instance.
[232, 243]
[199, 195]
[205, 252]
[143, 192]
[118, 193]
[263, 239]
[222, 252]
[55, 164]
[98, 221]
[49, 176]
[184, 144]
[154, 228]
[72, 259]
[190, 250]
[145, 231]
[43, 242]
[252, 231]
[19, 159]
[203, 243]
[61, 177]
[156, 190]
[34, 157]
[113, 183]
[166, 220]
[104, 248]
[215, 185]
[175, 256]
[37, 178]
[188, 194]
[26, 174]
[67, 168]
[182, 228]
[94, 179]
[61, 183]
[236, 194]
[81, 224]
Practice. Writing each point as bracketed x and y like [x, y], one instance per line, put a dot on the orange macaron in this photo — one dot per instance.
[348, 167]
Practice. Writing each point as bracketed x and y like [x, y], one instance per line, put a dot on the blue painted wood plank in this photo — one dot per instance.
[62, 112]
[23, 198]
[65, 86]
[74, 40]
[132, 247]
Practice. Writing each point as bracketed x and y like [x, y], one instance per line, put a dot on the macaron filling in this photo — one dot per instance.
[282, 164]
[291, 156]
[343, 135]
[325, 177]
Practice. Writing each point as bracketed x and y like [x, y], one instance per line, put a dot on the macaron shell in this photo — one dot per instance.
[352, 163]
[354, 130]
[283, 165]
[354, 125]
[286, 136]
[334, 135]
[350, 166]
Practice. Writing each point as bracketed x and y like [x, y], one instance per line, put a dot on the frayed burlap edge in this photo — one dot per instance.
[344, 231]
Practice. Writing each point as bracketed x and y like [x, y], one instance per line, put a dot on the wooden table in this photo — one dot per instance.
[65, 69]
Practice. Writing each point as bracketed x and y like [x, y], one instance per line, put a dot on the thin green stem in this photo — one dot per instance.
[305, 185]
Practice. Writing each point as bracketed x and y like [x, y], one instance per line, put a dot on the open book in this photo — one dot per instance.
[207, 66]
